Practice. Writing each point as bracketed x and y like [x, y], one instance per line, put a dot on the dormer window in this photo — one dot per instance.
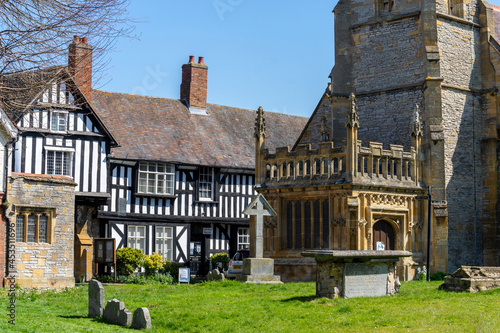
[58, 121]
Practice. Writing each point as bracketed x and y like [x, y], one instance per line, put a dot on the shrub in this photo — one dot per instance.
[153, 264]
[172, 268]
[222, 258]
[439, 276]
[128, 260]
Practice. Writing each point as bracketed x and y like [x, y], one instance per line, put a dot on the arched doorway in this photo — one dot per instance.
[383, 233]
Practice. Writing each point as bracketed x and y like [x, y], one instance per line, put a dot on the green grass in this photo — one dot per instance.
[235, 307]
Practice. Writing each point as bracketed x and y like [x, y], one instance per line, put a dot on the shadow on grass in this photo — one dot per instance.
[96, 319]
[300, 299]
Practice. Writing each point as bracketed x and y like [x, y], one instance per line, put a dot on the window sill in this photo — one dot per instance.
[166, 196]
[206, 201]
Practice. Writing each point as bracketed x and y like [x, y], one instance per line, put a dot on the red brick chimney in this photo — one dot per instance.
[80, 65]
[194, 83]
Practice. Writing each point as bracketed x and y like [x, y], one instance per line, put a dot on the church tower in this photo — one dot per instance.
[443, 56]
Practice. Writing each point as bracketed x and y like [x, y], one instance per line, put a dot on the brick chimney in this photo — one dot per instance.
[80, 65]
[194, 84]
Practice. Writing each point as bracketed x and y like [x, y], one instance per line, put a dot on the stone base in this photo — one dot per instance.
[44, 283]
[259, 270]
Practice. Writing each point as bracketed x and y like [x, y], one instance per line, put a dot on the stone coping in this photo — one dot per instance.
[44, 178]
[339, 255]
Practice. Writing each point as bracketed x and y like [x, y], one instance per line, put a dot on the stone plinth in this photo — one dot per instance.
[355, 273]
[472, 279]
[259, 270]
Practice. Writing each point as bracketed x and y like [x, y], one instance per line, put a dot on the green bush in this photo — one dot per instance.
[439, 276]
[153, 264]
[172, 268]
[220, 258]
[128, 260]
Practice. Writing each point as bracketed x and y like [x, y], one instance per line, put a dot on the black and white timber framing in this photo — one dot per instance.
[81, 137]
[189, 217]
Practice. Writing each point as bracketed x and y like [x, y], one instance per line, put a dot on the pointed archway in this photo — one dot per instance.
[383, 233]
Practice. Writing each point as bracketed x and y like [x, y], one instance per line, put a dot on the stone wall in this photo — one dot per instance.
[388, 55]
[40, 264]
[462, 115]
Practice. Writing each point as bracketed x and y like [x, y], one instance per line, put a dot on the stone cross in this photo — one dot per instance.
[259, 207]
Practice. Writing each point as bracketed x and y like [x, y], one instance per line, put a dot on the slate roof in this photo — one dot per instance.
[162, 129]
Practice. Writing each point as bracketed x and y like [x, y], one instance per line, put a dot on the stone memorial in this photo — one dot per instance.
[215, 275]
[472, 279]
[259, 269]
[96, 299]
[356, 273]
[116, 313]
[141, 319]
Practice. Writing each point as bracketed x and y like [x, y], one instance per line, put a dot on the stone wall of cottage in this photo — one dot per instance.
[45, 265]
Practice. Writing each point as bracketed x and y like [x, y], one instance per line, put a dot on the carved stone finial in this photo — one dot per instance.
[416, 125]
[352, 116]
[325, 137]
[260, 124]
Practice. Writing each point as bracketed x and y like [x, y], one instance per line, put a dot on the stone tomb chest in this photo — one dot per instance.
[355, 273]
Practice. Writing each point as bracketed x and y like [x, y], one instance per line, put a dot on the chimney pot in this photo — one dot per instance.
[191, 59]
[76, 38]
[84, 40]
[200, 61]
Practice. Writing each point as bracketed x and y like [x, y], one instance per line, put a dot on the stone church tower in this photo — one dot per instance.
[441, 56]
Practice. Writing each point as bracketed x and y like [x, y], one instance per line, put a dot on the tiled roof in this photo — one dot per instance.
[161, 129]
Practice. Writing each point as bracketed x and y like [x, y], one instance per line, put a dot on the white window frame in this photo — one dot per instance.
[56, 116]
[134, 238]
[156, 182]
[65, 153]
[206, 184]
[243, 238]
[162, 241]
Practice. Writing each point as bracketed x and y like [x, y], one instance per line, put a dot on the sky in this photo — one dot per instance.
[275, 54]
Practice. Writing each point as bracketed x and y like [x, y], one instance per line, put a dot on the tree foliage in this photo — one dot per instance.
[35, 34]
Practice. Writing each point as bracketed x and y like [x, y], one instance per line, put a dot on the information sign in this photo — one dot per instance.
[184, 275]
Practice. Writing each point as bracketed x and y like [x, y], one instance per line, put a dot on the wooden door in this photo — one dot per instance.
[383, 232]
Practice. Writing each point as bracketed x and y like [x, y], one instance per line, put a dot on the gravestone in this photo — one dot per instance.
[259, 269]
[96, 299]
[215, 275]
[115, 312]
[142, 319]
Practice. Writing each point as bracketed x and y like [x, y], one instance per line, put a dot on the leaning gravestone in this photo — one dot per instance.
[142, 319]
[96, 299]
[115, 312]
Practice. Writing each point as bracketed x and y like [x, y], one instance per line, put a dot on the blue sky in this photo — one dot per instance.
[277, 54]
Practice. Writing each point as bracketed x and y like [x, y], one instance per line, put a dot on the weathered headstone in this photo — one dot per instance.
[115, 312]
[215, 275]
[142, 319]
[96, 299]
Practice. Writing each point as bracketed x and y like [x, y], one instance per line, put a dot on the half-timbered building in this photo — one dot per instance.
[184, 170]
[62, 148]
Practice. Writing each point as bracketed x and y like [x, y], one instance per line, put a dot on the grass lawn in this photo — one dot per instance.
[235, 307]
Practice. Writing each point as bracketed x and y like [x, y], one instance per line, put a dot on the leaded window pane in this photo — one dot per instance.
[31, 228]
[164, 242]
[20, 228]
[43, 222]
